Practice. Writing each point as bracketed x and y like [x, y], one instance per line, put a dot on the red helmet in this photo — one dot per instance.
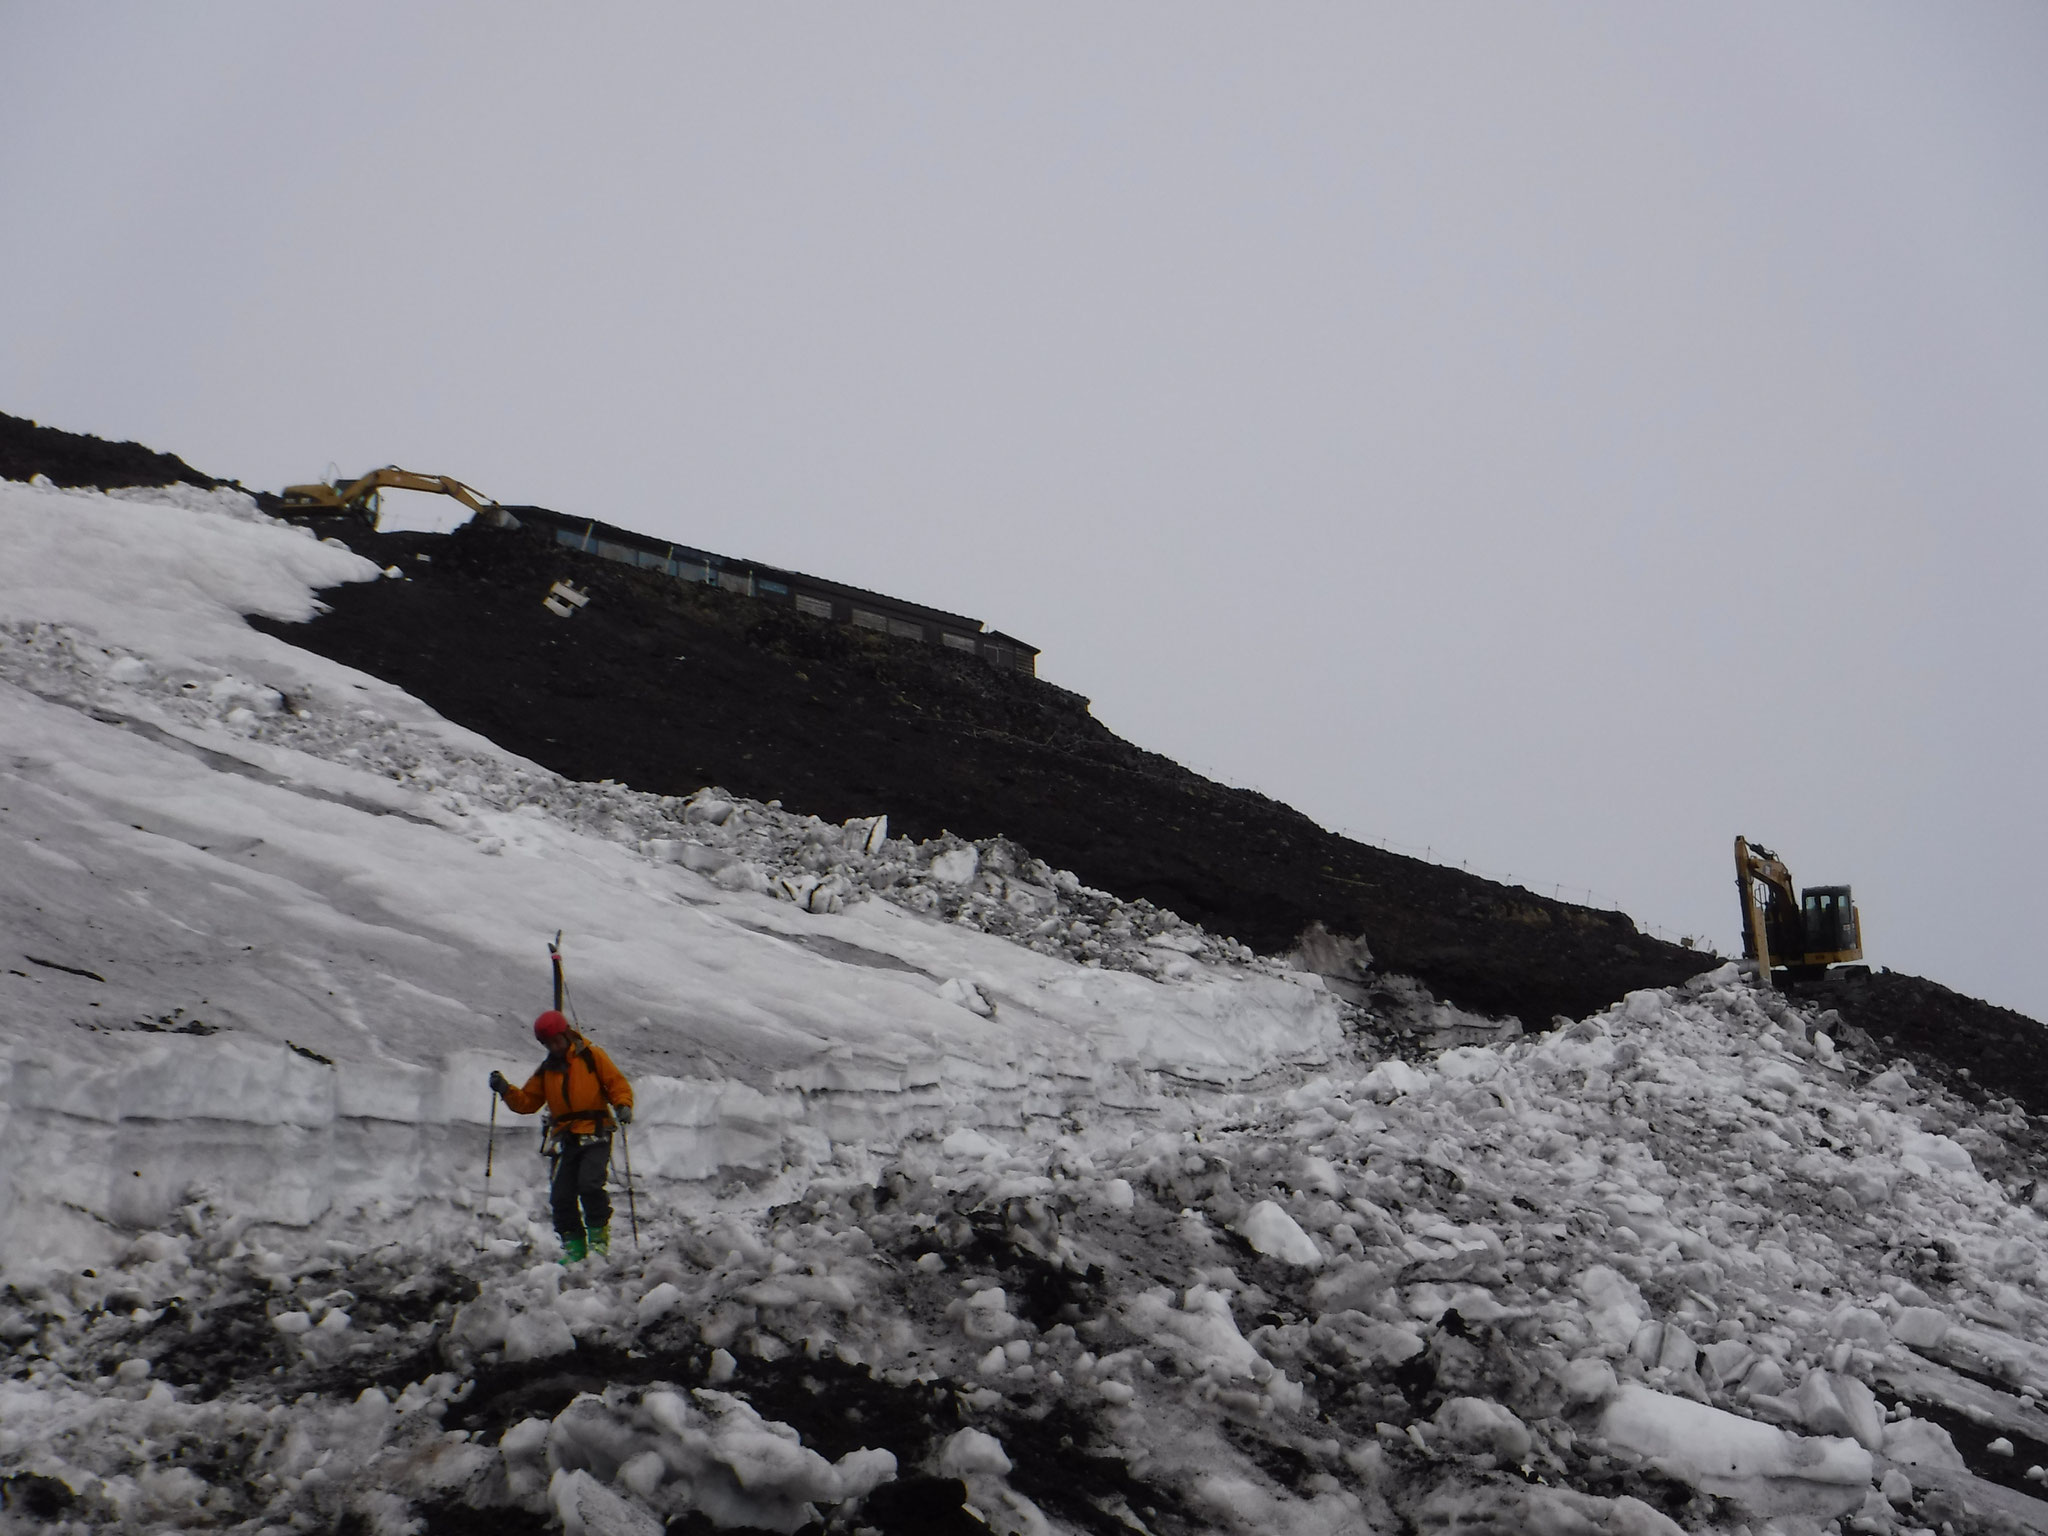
[550, 1027]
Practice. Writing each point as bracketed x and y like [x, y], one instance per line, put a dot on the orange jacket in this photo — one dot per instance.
[577, 1089]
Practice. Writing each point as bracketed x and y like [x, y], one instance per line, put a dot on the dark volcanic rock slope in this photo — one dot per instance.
[77, 459]
[667, 686]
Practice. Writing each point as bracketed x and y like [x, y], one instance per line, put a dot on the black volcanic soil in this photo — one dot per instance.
[1978, 1049]
[76, 459]
[668, 686]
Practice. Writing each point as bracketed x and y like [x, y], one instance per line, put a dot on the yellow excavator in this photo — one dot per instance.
[360, 497]
[1804, 932]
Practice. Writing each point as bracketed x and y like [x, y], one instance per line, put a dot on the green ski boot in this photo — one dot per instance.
[574, 1248]
[601, 1240]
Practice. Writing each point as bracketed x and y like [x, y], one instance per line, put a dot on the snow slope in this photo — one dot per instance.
[295, 855]
[958, 1181]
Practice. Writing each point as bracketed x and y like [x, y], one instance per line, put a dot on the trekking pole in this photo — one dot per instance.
[632, 1210]
[490, 1150]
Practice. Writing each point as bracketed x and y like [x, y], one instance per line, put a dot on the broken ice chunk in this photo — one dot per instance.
[956, 866]
[1764, 1469]
[1475, 1425]
[658, 1302]
[968, 1142]
[971, 1453]
[986, 1314]
[967, 995]
[536, 1335]
[1316, 1176]
[1921, 1443]
[1920, 1327]
[1841, 1405]
[1276, 1234]
[1933, 1151]
[1391, 1079]
[587, 1508]
[1615, 1307]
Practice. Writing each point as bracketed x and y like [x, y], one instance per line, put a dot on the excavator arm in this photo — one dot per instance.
[1766, 919]
[360, 497]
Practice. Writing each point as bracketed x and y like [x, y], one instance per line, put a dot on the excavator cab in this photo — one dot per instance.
[1828, 918]
[1802, 934]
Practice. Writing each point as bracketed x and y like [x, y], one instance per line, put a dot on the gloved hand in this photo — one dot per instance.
[498, 1084]
[623, 1113]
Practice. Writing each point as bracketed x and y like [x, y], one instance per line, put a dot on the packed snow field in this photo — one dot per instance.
[967, 1198]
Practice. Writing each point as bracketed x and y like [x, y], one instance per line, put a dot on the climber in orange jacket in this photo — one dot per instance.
[585, 1096]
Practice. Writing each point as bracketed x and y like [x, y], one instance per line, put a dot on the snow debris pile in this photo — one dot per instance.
[740, 845]
[991, 885]
[1684, 1265]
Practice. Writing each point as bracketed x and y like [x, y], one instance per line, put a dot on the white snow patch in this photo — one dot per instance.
[1269, 1229]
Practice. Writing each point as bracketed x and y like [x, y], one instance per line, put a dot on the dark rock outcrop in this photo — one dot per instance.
[78, 459]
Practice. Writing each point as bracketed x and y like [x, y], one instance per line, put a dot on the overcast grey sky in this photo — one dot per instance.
[1559, 436]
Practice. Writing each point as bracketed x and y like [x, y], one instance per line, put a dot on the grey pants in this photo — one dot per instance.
[579, 1181]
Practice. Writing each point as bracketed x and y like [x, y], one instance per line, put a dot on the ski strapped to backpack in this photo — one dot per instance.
[561, 982]
[565, 1003]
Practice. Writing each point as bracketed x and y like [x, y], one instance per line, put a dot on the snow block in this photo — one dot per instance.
[1393, 1078]
[1921, 1443]
[703, 859]
[1587, 1381]
[659, 1301]
[1614, 1306]
[1859, 1324]
[1203, 1333]
[970, 1453]
[965, 994]
[956, 866]
[536, 1335]
[1474, 1425]
[1276, 1234]
[1935, 1151]
[1841, 1405]
[1766, 1470]
[1920, 1327]
[587, 1508]
[1645, 1007]
[1537, 1511]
